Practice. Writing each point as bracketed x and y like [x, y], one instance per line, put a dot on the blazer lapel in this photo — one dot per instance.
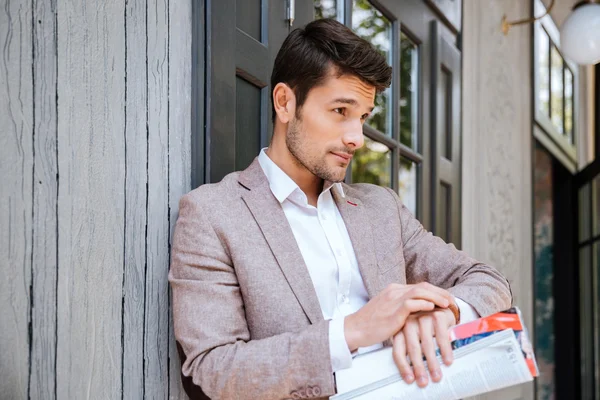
[361, 236]
[276, 229]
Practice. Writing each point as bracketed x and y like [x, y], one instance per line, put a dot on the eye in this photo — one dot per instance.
[340, 110]
[364, 117]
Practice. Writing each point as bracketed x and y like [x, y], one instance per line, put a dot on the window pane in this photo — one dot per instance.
[325, 9]
[543, 225]
[556, 101]
[409, 92]
[372, 163]
[408, 184]
[370, 24]
[544, 71]
[569, 117]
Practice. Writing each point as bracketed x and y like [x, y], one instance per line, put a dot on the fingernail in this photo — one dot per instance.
[409, 378]
[448, 360]
[436, 375]
[422, 380]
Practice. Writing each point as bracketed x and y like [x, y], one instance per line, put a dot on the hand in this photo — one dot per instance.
[385, 314]
[416, 338]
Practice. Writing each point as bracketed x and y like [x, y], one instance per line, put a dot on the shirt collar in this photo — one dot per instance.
[281, 184]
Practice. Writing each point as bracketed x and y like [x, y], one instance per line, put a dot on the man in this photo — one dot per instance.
[280, 273]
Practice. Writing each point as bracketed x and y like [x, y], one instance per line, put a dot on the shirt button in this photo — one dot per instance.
[324, 217]
[345, 299]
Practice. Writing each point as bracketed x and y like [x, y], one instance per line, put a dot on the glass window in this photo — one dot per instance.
[556, 89]
[544, 71]
[544, 271]
[325, 9]
[370, 24]
[408, 183]
[569, 117]
[372, 163]
[409, 92]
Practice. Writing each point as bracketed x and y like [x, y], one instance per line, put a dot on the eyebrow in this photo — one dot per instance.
[345, 100]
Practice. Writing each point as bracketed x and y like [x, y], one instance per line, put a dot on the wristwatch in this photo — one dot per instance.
[456, 311]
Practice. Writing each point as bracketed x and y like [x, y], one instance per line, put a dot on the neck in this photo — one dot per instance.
[279, 153]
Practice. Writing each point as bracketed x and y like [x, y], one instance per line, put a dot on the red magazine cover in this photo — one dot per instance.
[470, 332]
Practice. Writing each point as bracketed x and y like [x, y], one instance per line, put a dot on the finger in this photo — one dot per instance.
[438, 290]
[429, 295]
[426, 332]
[399, 353]
[416, 305]
[442, 337]
[413, 346]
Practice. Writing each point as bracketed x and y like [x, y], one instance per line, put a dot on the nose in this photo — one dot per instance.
[354, 138]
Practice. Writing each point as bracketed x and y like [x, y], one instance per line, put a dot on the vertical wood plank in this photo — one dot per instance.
[136, 197]
[180, 107]
[91, 197]
[156, 326]
[45, 185]
[16, 164]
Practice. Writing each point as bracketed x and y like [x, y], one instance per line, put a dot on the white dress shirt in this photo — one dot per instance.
[325, 245]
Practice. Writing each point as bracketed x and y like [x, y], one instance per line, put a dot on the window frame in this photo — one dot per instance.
[544, 129]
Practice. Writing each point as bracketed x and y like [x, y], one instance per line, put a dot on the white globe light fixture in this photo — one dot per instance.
[580, 34]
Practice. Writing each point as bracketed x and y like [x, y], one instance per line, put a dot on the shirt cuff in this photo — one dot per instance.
[338, 348]
[467, 312]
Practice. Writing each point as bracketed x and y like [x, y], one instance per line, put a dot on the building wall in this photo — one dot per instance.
[497, 132]
[94, 154]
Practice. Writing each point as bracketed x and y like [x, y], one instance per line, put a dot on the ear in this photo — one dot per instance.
[284, 102]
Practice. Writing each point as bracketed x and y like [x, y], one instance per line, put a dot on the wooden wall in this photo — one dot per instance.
[94, 154]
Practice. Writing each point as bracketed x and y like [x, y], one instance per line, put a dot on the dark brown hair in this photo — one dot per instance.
[307, 55]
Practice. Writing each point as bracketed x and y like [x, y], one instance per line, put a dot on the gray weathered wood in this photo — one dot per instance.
[180, 86]
[156, 327]
[45, 185]
[136, 196]
[91, 198]
[16, 164]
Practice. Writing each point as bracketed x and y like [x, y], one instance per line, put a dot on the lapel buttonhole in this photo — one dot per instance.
[351, 203]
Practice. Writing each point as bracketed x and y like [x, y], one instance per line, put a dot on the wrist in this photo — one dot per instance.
[351, 333]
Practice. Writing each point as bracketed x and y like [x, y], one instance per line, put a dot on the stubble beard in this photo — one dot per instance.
[313, 163]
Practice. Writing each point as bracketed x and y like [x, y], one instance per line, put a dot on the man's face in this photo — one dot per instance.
[327, 131]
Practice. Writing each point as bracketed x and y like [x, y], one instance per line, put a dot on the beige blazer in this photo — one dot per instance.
[245, 312]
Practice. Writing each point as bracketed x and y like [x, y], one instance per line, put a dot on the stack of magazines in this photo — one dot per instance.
[490, 353]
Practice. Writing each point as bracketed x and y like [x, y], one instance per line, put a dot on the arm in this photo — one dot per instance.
[430, 259]
[210, 325]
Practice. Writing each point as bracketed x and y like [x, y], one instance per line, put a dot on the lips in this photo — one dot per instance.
[343, 156]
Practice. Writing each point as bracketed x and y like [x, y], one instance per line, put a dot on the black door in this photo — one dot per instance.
[242, 38]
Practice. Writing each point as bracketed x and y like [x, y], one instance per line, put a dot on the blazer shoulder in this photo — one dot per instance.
[214, 193]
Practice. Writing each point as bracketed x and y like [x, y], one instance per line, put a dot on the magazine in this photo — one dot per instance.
[490, 353]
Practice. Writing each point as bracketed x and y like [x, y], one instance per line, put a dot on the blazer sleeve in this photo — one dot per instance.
[430, 259]
[210, 325]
